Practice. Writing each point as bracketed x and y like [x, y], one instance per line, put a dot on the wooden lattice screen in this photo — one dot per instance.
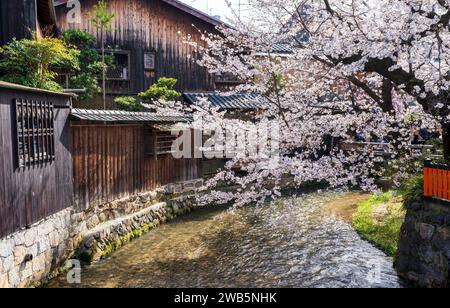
[35, 140]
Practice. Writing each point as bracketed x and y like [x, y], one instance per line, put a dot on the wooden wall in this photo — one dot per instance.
[17, 19]
[110, 164]
[151, 25]
[33, 193]
[21, 19]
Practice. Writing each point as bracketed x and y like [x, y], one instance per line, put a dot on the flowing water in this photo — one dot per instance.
[290, 243]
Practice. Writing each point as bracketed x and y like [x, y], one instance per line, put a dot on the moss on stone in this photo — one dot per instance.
[102, 251]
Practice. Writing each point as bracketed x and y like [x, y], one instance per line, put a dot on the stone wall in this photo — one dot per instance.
[29, 256]
[424, 248]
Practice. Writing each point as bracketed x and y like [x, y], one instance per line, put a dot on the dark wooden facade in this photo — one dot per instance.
[145, 27]
[34, 191]
[22, 19]
[110, 163]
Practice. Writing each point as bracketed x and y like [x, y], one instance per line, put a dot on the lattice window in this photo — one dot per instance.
[159, 142]
[120, 66]
[35, 132]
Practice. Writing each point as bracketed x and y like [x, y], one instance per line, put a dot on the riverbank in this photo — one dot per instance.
[376, 218]
[379, 221]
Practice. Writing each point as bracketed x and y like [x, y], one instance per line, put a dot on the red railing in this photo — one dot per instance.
[437, 181]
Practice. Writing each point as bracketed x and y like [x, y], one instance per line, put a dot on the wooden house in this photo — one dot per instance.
[25, 19]
[147, 41]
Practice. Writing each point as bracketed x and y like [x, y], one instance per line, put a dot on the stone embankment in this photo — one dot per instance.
[31, 256]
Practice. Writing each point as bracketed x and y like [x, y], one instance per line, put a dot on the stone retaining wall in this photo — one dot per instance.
[424, 247]
[30, 256]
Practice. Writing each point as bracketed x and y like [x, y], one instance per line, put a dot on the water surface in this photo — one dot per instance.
[290, 243]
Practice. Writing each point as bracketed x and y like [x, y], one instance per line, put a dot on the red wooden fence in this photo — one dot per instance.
[437, 181]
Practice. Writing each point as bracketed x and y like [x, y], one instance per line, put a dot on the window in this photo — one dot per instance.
[35, 132]
[120, 65]
[149, 61]
[160, 139]
[118, 72]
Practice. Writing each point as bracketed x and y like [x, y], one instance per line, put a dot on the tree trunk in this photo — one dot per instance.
[104, 70]
[446, 140]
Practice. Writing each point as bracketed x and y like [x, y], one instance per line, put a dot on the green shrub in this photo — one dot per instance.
[162, 90]
[412, 187]
[91, 65]
[35, 63]
[128, 103]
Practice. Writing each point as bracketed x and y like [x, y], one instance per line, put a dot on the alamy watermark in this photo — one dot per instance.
[73, 268]
[252, 141]
[74, 12]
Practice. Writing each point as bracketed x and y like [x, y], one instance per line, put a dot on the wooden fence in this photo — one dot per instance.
[35, 160]
[110, 163]
[437, 181]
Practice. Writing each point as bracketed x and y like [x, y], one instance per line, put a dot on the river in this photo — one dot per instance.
[293, 242]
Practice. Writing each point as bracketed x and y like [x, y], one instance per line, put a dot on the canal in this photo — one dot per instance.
[294, 242]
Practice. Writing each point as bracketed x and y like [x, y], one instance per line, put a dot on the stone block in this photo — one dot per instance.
[93, 222]
[19, 238]
[6, 248]
[31, 237]
[4, 282]
[43, 245]
[14, 278]
[46, 227]
[20, 253]
[26, 271]
[188, 187]
[54, 239]
[426, 231]
[8, 263]
[39, 263]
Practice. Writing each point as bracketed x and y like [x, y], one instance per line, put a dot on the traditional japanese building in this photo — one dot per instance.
[147, 41]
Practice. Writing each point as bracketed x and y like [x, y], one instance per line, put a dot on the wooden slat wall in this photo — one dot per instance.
[437, 182]
[17, 19]
[31, 194]
[151, 25]
[110, 164]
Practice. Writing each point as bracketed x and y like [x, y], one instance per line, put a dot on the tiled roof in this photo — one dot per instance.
[282, 48]
[228, 102]
[125, 116]
[13, 86]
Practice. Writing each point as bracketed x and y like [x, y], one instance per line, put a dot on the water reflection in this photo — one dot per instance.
[291, 243]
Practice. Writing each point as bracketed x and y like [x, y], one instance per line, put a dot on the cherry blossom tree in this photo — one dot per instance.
[368, 69]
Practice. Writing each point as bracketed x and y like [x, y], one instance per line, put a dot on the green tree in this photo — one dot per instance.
[162, 90]
[103, 20]
[35, 63]
[128, 103]
[90, 63]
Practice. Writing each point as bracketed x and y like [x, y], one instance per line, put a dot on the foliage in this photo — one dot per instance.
[35, 63]
[162, 90]
[128, 103]
[412, 187]
[371, 71]
[90, 63]
[379, 221]
[101, 18]
[276, 84]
